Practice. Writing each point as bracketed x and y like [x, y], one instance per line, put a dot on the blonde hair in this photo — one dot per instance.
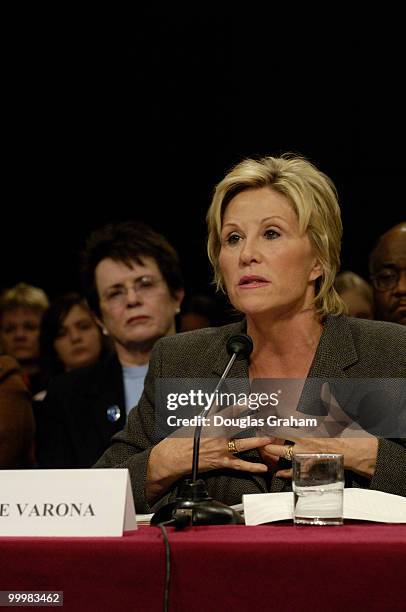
[25, 296]
[314, 199]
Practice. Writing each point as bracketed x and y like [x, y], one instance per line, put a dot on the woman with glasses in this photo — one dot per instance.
[274, 243]
[134, 287]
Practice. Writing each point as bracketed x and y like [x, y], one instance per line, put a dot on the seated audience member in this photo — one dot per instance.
[356, 294]
[21, 310]
[387, 266]
[16, 420]
[197, 311]
[133, 284]
[274, 242]
[69, 338]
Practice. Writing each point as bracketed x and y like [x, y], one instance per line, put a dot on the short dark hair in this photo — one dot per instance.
[128, 241]
[51, 323]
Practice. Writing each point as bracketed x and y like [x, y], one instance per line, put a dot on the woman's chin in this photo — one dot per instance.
[252, 308]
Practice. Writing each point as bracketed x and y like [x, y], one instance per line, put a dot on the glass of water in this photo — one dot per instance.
[318, 488]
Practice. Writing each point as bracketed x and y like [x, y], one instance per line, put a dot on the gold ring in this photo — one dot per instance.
[231, 447]
[288, 452]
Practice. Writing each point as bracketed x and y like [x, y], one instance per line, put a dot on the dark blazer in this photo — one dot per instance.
[348, 348]
[73, 429]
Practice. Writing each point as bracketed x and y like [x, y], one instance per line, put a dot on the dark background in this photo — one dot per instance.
[106, 122]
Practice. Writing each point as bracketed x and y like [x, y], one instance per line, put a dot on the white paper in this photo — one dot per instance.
[361, 504]
[144, 519]
[262, 508]
[368, 505]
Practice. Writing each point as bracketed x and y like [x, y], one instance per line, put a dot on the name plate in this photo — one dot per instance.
[79, 503]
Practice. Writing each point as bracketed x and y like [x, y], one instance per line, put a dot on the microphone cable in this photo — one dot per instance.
[167, 584]
[179, 521]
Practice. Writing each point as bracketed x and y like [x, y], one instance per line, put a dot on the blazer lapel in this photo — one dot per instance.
[107, 391]
[335, 353]
[220, 350]
[336, 350]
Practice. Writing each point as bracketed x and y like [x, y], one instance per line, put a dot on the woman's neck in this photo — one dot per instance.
[134, 355]
[284, 347]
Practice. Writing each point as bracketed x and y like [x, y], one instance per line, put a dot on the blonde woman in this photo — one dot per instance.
[274, 243]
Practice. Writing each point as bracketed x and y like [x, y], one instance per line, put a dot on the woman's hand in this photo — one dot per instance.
[336, 433]
[172, 458]
[359, 453]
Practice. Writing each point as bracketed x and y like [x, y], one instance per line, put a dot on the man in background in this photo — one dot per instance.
[387, 266]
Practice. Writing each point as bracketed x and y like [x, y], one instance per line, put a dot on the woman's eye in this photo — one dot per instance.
[232, 239]
[114, 294]
[84, 325]
[271, 234]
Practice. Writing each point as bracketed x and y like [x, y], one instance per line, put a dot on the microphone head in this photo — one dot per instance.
[240, 345]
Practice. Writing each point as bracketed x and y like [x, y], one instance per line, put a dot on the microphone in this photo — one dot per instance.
[194, 500]
[238, 346]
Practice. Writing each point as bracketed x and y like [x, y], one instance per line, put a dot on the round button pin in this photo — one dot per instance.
[113, 414]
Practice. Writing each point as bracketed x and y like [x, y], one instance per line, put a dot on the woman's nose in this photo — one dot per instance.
[133, 295]
[249, 251]
[74, 335]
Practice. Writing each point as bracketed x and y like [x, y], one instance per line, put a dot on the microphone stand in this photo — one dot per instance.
[206, 412]
[194, 502]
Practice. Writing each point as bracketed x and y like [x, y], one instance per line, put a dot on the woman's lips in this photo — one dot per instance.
[139, 319]
[252, 282]
[78, 350]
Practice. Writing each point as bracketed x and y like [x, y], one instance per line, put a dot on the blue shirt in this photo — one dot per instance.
[133, 384]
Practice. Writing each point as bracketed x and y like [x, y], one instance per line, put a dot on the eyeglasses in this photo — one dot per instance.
[117, 296]
[387, 279]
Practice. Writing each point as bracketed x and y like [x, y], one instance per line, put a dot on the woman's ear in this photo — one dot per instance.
[179, 295]
[101, 325]
[316, 271]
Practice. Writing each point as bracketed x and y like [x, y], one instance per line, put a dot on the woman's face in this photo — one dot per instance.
[79, 341]
[19, 333]
[267, 265]
[135, 302]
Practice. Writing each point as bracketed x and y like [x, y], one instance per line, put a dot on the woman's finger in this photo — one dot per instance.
[244, 444]
[275, 449]
[284, 473]
[246, 466]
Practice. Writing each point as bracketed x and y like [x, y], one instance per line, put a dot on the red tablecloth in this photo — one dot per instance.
[276, 567]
